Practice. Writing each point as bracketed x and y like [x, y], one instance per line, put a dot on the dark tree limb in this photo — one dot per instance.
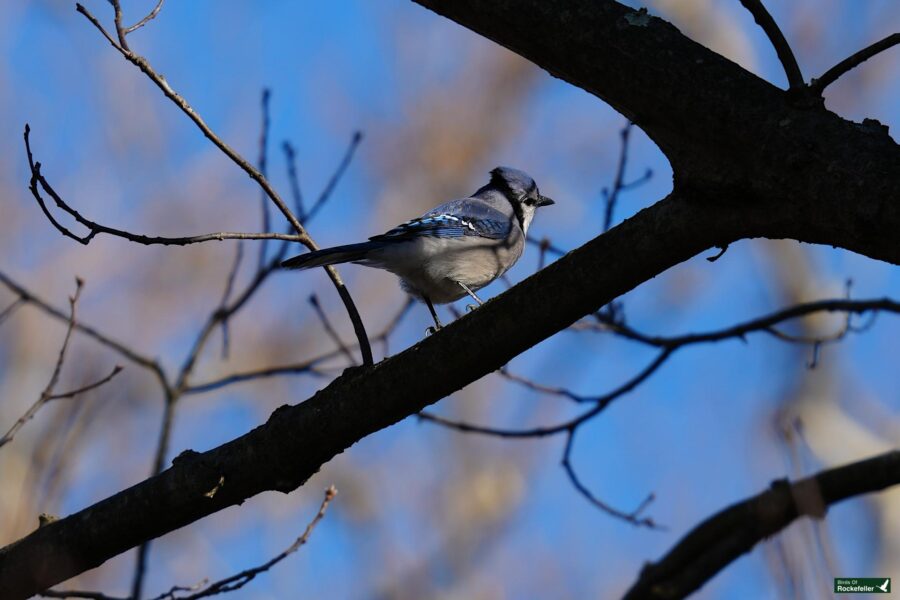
[728, 535]
[732, 138]
[747, 164]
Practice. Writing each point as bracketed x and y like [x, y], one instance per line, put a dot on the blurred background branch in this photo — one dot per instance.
[426, 512]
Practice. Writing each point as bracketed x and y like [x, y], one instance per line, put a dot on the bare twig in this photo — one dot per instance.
[78, 594]
[634, 517]
[611, 196]
[307, 367]
[544, 389]
[239, 580]
[668, 346]
[294, 180]
[120, 29]
[123, 349]
[159, 460]
[150, 16]
[764, 324]
[385, 334]
[47, 394]
[229, 584]
[544, 248]
[94, 228]
[776, 37]
[142, 63]
[263, 165]
[226, 296]
[335, 177]
[12, 308]
[569, 428]
[91, 386]
[329, 328]
[818, 85]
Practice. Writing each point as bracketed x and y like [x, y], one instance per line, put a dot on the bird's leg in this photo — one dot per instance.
[437, 322]
[470, 293]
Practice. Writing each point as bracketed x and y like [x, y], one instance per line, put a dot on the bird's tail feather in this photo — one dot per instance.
[331, 256]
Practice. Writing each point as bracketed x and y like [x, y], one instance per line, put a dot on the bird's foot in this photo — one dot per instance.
[471, 307]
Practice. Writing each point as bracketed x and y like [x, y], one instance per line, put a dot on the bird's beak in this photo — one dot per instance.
[545, 201]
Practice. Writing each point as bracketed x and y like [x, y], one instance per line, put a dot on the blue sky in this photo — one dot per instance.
[699, 434]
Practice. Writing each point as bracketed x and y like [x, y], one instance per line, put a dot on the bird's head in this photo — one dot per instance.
[522, 192]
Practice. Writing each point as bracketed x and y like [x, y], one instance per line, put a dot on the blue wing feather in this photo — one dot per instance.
[457, 218]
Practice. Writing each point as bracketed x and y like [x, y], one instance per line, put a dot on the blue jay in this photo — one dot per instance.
[452, 250]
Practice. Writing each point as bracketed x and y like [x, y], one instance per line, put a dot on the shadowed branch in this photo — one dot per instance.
[726, 536]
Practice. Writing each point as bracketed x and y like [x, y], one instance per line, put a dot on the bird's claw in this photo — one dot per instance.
[471, 307]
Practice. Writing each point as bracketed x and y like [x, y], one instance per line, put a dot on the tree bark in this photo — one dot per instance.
[748, 162]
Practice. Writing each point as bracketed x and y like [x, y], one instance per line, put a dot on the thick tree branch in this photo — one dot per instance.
[725, 537]
[732, 138]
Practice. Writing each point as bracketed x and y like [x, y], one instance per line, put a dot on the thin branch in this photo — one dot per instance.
[87, 388]
[294, 180]
[308, 367]
[329, 329]
[229, 584]
[159, 460]
[545, 247]
[544, 389]
[392, 325]
[634, 517]
[142, 63]
[761, 324]
[726, 536]
[123, 349]
[776, 37]
[47, 394]
[611, 196]
[95, 228]
[120, 29]
[11, 309]
[601, 402]
[147, 19]
[818, 85]
[335, 177]
[241, 579]
[263, 165]
[226, 296]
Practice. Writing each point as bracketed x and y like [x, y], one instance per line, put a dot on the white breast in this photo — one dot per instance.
[432, 266]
